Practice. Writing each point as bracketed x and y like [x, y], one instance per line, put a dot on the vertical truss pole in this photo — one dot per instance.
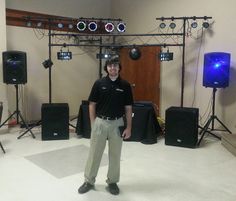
[183, 63]
[50, 59]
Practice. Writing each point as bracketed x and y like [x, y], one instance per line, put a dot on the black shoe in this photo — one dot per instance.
[113, 189]
[85, 187]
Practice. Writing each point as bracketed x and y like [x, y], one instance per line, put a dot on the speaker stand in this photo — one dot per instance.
[18, 114]
[211, 122]
[29, 129]
[2, 148]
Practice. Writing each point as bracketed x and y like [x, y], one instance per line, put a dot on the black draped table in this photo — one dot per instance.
[145, 127]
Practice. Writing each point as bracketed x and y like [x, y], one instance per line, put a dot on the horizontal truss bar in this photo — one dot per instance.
[163, 34]
[183, 18]
[115, 45]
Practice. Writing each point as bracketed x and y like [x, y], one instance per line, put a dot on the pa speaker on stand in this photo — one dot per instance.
[15, 72]
[215, 75]
[14, 67]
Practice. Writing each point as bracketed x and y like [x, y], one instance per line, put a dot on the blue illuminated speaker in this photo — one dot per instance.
[216, 70]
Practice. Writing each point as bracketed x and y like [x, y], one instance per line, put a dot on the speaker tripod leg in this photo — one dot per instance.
[26, 125]
[2, 148]
[204, 130]
[29, 129]
[223, 124]
[8, 119]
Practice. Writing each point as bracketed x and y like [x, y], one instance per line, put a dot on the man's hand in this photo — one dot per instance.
[126, 134]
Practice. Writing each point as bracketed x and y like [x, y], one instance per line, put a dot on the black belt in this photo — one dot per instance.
[107, 118]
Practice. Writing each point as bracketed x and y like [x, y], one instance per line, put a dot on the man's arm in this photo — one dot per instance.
[128, 115]
[92, 111]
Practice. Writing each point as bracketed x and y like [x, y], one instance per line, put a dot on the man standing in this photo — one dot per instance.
[110, 100]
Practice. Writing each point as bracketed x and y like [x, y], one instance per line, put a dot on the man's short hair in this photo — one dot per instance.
[113, 60]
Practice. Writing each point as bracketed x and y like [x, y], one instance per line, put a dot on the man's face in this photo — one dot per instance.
[113, 69]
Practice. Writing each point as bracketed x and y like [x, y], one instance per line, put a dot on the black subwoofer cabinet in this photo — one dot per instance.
[55, 121]
[181, 127]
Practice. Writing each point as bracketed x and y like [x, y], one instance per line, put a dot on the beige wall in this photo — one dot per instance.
[72, 80]
[3, 94]
[140, 17]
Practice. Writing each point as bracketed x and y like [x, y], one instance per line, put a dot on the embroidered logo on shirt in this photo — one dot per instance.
[104, 88]
[119, 89]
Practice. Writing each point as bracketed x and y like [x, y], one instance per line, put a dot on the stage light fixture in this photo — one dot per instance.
[135, 53]
[121, 27]
[194, 24]
[39, 24]
[64, 55]
[172, 25]
[162, 25]
[29, 24]
[109, 27]
[47, 63]
[60, 25]
[81, 25]
[106, 56]
[205, 25]
[92, 26]
[70, 26]
[166, 56]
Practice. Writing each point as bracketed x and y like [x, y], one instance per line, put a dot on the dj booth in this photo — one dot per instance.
[145, 127]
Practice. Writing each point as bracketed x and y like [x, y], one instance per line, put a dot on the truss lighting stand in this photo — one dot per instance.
[18, 114]
[211, 121]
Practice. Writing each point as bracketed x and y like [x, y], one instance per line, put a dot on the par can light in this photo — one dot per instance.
[81, 25]
[121, 27]
[205, 25]
[109, 27]
[172, 25]
[162, 25]
[92, 26]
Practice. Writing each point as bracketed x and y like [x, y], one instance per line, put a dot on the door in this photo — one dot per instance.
[143, 74]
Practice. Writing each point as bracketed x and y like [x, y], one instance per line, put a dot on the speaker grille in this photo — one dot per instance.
[181, 126]
[216, 70]
[55, 121]
[14, 67]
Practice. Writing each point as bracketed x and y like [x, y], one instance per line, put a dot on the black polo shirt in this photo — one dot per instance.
[111, 96]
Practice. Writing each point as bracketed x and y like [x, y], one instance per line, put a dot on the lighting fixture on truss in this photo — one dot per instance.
[92, 26]
[121, 27]
[81, 25]
[172, 25]
[166, 56]
[108, 54]
[64, 55]
[109, 27]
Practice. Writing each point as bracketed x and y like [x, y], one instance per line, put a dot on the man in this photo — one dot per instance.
[110, 100]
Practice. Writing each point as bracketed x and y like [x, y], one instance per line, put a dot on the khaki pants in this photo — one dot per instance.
[103, 130]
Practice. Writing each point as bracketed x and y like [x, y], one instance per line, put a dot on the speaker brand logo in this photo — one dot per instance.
[179, 140]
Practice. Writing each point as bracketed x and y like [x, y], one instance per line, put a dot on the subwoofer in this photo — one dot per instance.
[55, 121]
[181, 127]
[14, 67]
